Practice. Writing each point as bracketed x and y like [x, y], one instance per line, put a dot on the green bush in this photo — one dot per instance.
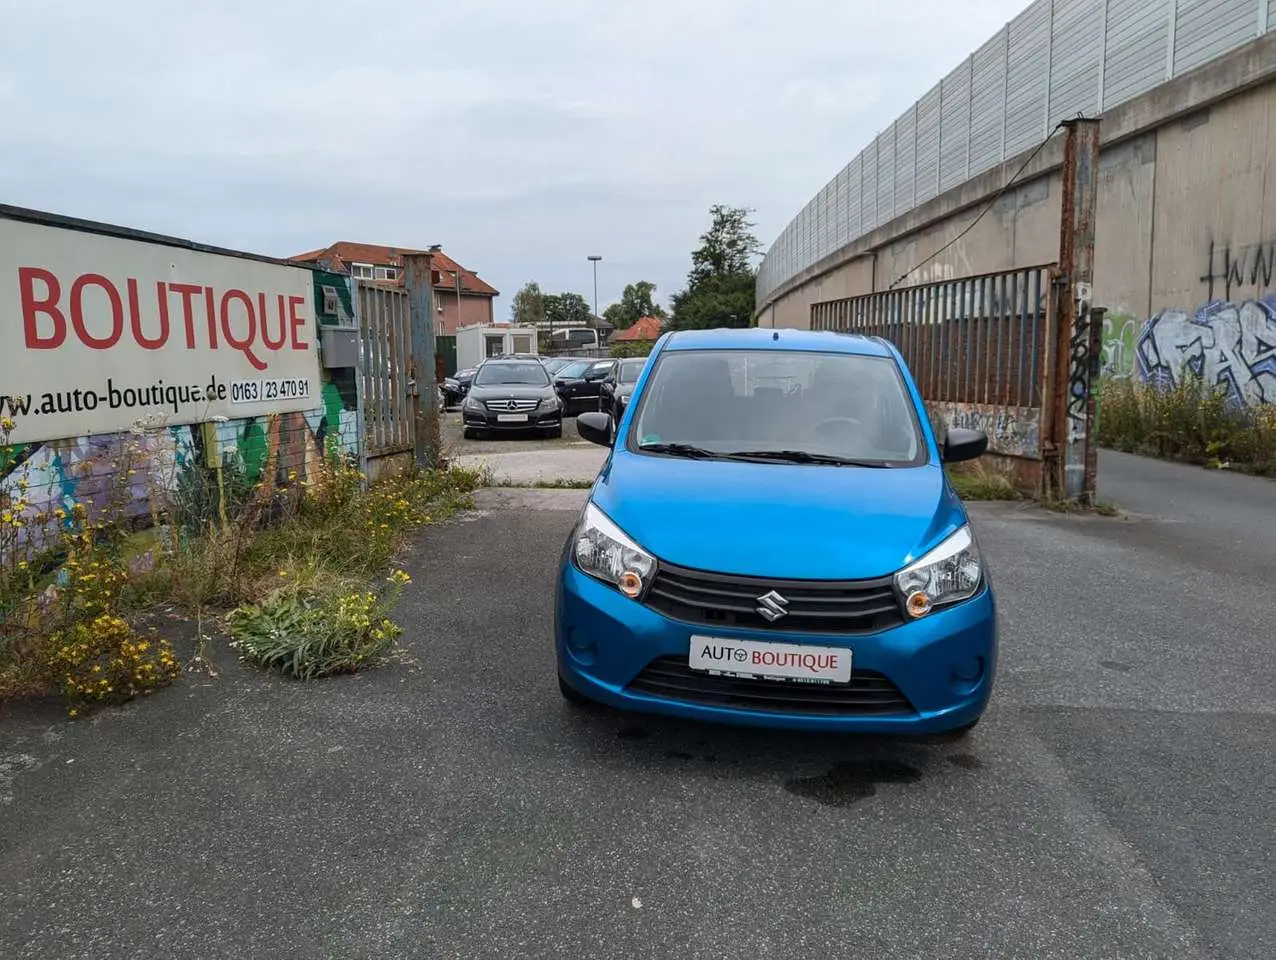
[319, 629]
[1191, 421]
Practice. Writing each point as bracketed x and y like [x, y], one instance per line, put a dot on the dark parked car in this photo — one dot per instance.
[618, 386]
[457, 386]
[554, 364]
[580, 383]
[511, 395]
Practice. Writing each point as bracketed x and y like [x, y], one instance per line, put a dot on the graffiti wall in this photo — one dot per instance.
[1120, 337]
[1231, 344]
[1012, 431]
[125, 473]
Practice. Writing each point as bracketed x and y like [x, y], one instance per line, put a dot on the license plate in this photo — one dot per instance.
[777, 661]
[511, 418]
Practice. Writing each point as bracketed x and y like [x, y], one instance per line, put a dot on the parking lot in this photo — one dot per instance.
[1116, 801]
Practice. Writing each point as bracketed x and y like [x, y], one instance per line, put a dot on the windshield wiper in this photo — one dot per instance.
[802, 456]
[679, 450]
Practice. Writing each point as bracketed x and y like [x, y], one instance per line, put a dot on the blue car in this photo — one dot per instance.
[773, 542]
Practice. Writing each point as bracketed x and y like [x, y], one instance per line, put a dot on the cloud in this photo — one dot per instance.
[522, 137]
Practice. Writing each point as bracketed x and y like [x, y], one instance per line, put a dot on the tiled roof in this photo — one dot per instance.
[345, 253]
[644, 328]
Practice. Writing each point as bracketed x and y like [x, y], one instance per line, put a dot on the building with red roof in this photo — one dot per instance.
[461, 298]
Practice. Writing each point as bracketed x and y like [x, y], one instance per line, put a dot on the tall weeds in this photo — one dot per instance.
[1191, 421]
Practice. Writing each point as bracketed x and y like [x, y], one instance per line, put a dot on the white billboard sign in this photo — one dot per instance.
[100, 334]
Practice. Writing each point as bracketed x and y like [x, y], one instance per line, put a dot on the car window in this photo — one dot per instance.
[573, 370]
[630, 369]
[493, 374]
[823, 404]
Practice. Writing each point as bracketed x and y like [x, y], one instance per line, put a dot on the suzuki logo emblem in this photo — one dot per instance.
[772, 606]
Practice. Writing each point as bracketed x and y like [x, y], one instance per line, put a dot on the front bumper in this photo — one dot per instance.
[488, 420]
[943, 664]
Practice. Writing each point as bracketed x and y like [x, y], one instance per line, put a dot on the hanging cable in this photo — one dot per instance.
[991, 203]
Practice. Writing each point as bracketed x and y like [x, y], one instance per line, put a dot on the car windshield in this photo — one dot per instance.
[630, 369]
[553, 366]
[574, 369]
[494, 374]
[798, 407]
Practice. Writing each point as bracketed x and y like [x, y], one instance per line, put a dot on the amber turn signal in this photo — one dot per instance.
[918, 604]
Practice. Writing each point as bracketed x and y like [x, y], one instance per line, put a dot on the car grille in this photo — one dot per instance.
[813, 606]
[521, 405]
[867, 694]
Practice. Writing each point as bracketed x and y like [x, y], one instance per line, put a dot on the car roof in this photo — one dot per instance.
[765, 338]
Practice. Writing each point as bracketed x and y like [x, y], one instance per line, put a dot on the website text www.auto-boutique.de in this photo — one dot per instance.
[155, 396]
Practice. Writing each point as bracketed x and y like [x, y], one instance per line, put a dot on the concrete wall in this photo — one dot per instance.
[1185, 242]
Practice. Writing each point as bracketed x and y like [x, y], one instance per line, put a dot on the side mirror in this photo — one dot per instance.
[595, 427]
[962, 444]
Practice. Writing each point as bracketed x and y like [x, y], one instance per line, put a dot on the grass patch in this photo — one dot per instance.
[566, 483]
[976, 482]
[1101, 508]
[1192, 421]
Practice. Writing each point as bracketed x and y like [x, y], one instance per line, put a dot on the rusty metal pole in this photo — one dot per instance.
[417, 279]
[1073, 412]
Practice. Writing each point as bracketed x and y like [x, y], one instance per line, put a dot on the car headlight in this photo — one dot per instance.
[603, 551]
[472, 404]
[549, 403]
[948, 574]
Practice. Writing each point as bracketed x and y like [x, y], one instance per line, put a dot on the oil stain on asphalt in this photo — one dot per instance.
[849, 783]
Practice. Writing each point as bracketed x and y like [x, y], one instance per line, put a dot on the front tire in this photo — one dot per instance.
[471, 434]
[962, 732]
[556, 433]
[572, 695]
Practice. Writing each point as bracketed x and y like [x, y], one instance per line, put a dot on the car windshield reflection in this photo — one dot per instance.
[502, 374]
[629, 370]
[809, 408]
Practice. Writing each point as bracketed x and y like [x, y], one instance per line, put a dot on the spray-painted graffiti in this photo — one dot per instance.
[1120, 337]
[1231, 269]
[1012, 431]
[1232, 345]
[121, 475]
[1079, 366]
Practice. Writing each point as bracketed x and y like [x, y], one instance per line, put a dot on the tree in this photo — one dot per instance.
[637, 301]
[567, 309]
[528, 305]
[721, 285]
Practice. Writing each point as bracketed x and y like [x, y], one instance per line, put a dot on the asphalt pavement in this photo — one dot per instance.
[1116, 802]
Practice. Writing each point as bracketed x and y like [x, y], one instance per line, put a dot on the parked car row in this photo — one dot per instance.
[499, 400]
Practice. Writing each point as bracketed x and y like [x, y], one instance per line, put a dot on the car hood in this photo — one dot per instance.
[508, 391]
[786, 521]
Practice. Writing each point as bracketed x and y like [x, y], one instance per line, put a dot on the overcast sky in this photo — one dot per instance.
[520, 136]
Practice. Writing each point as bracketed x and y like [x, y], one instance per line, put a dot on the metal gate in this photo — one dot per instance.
[979, 349]
[386, 334]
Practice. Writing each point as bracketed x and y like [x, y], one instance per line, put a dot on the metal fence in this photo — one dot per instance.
[977, 348]
[1056, 59]
[386, 333]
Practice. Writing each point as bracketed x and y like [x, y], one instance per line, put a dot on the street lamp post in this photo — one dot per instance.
[594, 258]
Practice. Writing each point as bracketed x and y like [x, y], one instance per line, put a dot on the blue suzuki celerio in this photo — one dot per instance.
[772, 541]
